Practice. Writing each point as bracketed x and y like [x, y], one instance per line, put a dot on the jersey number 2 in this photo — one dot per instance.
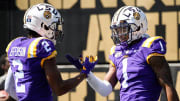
[20, 88]
[46, 46]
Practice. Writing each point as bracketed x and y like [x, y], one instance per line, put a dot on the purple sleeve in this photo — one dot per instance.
[154, 46]
[46, 49]
[111, 56]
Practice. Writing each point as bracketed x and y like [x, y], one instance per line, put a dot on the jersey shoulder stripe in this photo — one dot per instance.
[151, 55]
[112, 64]
[148, 42]
[53, 54]
[112, 50]
[33, 47]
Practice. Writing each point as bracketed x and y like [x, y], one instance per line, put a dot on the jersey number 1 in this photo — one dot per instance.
[125, 76]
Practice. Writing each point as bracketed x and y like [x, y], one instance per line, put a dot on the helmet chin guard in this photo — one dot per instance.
[44, 19]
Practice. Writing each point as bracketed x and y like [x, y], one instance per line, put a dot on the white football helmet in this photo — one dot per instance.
[133, 22]
[44, 19]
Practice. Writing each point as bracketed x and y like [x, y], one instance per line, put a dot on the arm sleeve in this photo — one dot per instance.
[103, 87]
[10, 85]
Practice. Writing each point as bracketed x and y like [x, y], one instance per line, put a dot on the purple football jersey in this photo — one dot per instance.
[138, 81]
[26, 57]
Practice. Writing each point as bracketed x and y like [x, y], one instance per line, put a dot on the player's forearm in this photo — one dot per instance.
[169, 88]
[171, 93]
[69, 84]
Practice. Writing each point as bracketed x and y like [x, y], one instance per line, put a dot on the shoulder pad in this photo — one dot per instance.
[148, 42]
[112, 49]
[33, 47]
[8, 46]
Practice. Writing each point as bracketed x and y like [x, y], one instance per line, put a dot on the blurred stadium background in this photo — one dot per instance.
[87, 31]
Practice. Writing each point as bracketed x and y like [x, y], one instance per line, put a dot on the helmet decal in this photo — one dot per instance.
[47, 14]
[28, 18]
[136, 16]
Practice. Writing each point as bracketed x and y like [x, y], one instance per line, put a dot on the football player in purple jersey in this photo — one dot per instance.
[137, 61]
[33, 59]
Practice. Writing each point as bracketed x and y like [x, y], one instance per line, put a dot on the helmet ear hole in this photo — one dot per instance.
[45, 27]
[138, 29]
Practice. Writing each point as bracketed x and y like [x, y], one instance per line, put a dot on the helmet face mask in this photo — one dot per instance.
[57, 29]
[121, 31]
[45, 20]
[131, 17]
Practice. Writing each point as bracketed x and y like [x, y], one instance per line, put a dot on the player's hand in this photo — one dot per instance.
[89, 64]
[77, 62]
[4, 95]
